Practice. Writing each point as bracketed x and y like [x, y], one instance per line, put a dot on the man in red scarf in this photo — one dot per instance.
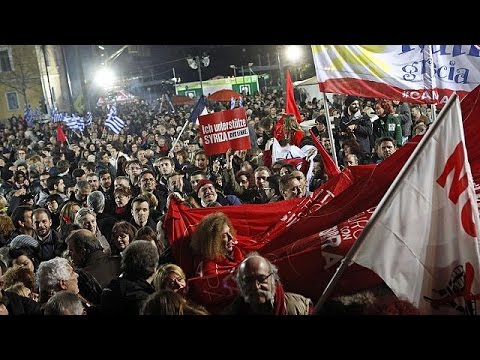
[261, 292]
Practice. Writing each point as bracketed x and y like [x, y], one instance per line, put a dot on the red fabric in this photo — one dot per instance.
[289, 232]
[60, 134]
[290, 104]
[471, 122]
[279, 306]
[218, 266]
[331, 169]
[290, 108]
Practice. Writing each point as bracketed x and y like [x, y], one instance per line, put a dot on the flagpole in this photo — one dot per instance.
[433, 107]
[329, 128]
[347, 260]
[181, 132]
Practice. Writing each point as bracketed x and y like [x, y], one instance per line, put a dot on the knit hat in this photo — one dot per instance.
[202, 183]
[23, 241]
[349, 100]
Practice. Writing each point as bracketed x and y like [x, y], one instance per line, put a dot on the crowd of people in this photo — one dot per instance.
[82, 222]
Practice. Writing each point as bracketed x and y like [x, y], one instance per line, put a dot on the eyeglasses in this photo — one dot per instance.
[260, 279]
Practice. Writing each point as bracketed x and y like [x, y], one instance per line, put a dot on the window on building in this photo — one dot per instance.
[12, 101]
[5, 64]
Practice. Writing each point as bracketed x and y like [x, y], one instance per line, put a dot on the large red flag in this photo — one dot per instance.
[290, 104]
[61, 137]
[290, 107]
[471, 126]
[331, 169]
[423, 237]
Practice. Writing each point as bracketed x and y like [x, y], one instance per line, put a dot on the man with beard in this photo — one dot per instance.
[355, 125]
[51, 244]
[261, 292]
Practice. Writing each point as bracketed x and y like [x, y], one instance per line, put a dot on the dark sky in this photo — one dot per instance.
[221, 56]
[160, 60]
[165, 57]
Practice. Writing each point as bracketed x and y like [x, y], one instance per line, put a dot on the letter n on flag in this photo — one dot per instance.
[423, 237]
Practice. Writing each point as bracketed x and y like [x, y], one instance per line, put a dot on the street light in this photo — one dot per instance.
[294, 53]
[105, 77]
[234, 70]
[197, 63]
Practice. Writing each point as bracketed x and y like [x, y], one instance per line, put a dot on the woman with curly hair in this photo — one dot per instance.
[289, 131]
[214, 245]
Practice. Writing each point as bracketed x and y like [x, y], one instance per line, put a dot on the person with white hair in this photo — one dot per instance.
[96, 200]
[55, 275]
[64, 303]
[261, 292]
[87, 219]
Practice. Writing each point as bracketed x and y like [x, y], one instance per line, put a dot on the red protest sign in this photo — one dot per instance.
[224, 130]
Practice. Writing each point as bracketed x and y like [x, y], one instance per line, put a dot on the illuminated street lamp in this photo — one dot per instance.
[105, 78]
[197, 63]
[293, 53]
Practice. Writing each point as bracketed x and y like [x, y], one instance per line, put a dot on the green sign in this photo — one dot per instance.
[247, 84]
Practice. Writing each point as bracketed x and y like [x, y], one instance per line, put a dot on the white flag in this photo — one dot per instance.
[423, 236]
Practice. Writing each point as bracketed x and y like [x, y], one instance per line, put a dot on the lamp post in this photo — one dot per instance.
[293, 53]
[234, 70]
[196, 64]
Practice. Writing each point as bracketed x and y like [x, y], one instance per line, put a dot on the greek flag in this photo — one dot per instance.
[113, 122]
[240, 102]
[71, 122]
[232, 103]
[88, 119]
[80, 123]
[28, 115]
[56, 115]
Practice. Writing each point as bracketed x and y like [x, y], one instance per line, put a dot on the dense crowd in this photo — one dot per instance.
[81, 224]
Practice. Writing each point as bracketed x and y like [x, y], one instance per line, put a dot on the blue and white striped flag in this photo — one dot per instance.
[240, 102]
[28, 115]
[113, 110]
[55, 115]
[71, 122]
[80, 123]
[88, 119]
[232, 103]
[114, 123]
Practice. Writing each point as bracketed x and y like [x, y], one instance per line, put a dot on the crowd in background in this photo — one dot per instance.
[81, 224]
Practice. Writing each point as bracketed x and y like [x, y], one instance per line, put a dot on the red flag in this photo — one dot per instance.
[292, 233]
[290, 107]
[331, 169]
[471, 123]
[423, 251]
[61, 137]
[290, 104]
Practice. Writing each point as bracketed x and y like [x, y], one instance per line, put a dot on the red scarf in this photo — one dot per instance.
[279, 306]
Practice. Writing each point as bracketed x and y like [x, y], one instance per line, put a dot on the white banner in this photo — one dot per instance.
[410, 73]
